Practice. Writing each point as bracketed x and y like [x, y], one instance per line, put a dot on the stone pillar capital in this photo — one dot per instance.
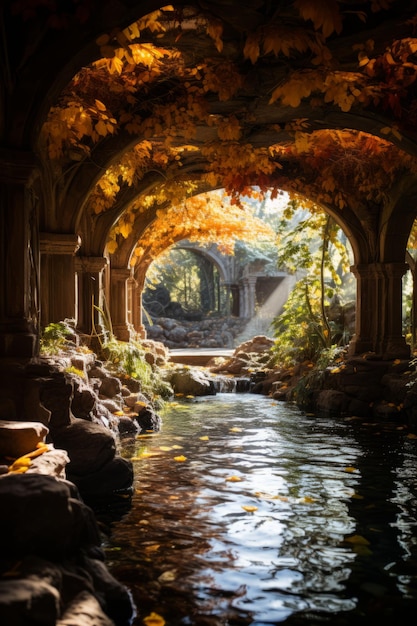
[59, 243]
[120, 273]
[90, 264]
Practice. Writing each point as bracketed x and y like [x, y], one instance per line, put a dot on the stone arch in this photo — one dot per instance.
[65, 230]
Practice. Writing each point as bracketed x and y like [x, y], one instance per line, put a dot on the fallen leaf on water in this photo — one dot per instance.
[180, 458]
[153, 619]
[204, 438]
[165, 448]
[153, 548]
[168, 577]
[358, 540]
[249, 508]
[235, 429]
[146, 455]
[233, 479]
[411, 436]
[351, 469]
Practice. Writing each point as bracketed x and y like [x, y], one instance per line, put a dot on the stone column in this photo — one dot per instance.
[366, 310]
[89, 292]
[394, 345]
[134, 307]
[379, 310]
[248, 297]
[58, 280]
[19, 257]
[118, 302]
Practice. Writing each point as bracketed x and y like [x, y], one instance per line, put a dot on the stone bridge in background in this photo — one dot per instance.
[255, 294]
[255, 297]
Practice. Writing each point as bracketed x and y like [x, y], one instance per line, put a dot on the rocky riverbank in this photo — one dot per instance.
[364, 386]
[60, 431]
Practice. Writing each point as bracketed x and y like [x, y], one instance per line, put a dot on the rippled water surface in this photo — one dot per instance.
[247, 511]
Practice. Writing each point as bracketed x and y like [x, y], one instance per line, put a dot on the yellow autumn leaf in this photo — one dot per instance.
[252, 49]
[350, 469]
[99, 105]
[180, 459]
[249, 508]
[324, 14]
[235, 429]
[152, 548]
[146, 455]
[233, 479]
[20, 463]
[215, 31]
[204, 438]
[153, 619]
[101, 128]
[358, 540]
[111, 246]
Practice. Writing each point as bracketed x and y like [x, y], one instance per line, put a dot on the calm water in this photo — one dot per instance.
[249, 512]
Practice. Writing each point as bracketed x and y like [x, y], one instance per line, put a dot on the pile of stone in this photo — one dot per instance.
[58, 451]
[211, 332]
[51, 561]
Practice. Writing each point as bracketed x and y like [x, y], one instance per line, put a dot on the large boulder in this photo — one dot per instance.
[42, 515]
[90, 446]
[19, 438]
[192, 382]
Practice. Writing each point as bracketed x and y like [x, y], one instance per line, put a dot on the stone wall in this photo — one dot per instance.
[211, 332]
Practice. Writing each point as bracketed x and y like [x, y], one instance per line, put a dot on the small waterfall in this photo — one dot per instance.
[225, 384]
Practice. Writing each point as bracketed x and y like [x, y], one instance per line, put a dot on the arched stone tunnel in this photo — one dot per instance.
[55, 233]
[114, 113]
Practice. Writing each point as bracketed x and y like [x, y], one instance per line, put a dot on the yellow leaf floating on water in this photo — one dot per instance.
[351, 469]
[204, 438]
[359, 545]
[180, 459]
[165, 448]
[307, 499]
[249, 508]
[146, 454]
[235, 429]
[152, 548]
[233, 479]
[168, 576]
[153, 619]
[357, 540]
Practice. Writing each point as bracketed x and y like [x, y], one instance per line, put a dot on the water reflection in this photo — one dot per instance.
[247, 511]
